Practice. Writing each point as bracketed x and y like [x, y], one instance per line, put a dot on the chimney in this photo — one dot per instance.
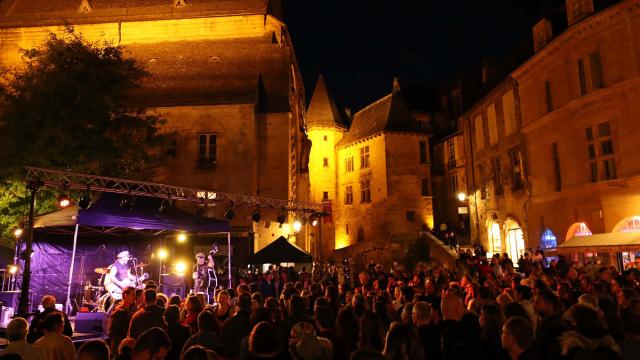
[578, 10]
[542, 34]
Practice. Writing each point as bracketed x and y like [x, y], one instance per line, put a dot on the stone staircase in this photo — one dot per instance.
[440, 253]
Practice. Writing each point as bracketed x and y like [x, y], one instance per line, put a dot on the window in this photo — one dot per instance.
[346, 228]
[451, 143]
[325, 162]
[581, 75]
[325, 138]
[609, 169]
[349, 163]
[365, 190]
[497, 176]
[360, 235]
[423, 152]
[454, 184]
[348, 195]
[364, 157]
[589, 132]
[602, 153]
[411, 215]
[425, 187]
[604, 129]
[517, 169]
[479, 132]
[556, 166]
[607, 147]
[509, 112]
[325, 195]
[206, 150]
[596, 71]
[548, 95]
[594, 171]
[493, 125]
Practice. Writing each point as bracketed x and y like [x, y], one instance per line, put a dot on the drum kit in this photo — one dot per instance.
[96, 297]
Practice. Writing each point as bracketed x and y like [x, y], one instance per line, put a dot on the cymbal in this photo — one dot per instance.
[101, 271]
[141, 265]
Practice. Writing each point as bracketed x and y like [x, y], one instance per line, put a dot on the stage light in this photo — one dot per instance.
[165, 206]
[297, 225]
[313, 219]
[17, 232]
[127, 202]
[63, 200]
[162, 254]
[181, 267]
[85, 200]
[230, 213]
[182, 237]
[256, 215]
[282, 217]
[12, 269]
[462, 196]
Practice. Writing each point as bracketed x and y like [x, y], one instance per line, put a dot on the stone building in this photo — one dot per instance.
[223, 75]
[375, 173]
[578, 99]
[551, 147]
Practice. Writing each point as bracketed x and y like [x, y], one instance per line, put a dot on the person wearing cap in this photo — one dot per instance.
[120, 273]
[200, 274]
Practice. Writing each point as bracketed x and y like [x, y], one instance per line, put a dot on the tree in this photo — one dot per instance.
[70, 108]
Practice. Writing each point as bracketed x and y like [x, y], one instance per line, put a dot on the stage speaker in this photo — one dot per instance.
[172, 290]
[91, 322]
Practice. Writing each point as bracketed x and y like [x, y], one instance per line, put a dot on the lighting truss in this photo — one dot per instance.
[77, 181]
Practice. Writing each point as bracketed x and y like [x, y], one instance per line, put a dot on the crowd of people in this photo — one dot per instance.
[481, 309]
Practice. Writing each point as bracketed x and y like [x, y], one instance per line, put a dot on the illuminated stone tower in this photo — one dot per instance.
[325, 128]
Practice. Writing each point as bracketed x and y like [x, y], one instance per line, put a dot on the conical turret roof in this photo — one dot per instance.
[322, 111]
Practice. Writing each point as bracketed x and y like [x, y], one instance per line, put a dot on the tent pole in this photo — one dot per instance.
[68, 306]
[229, 257]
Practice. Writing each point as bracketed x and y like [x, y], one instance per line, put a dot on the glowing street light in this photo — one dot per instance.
[17, 232]
[462, 196]
[182, 237]
[13, 269]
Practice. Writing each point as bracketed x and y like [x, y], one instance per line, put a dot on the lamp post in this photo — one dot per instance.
[23, 304]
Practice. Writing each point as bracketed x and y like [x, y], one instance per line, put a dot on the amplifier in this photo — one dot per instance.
[91, 322]
[170, 290]
[171, 279]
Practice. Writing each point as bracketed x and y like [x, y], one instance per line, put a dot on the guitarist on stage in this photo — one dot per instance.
[200, 274]
[120, 273]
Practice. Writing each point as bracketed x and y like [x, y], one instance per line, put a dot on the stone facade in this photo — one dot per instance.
[376, 173]
[563, 164]
[223, 75]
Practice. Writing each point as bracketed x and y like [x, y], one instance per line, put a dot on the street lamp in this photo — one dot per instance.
[17, 232]
[462, 196]
[297, 225]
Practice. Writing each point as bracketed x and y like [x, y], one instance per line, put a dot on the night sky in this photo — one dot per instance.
[360, 46]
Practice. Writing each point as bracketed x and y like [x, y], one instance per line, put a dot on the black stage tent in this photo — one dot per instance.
[281, 251]
[70, 243]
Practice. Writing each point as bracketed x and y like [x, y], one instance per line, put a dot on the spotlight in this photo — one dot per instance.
[63, 200]
[162, 254]
[12, 269]
[230, 213]
[462, 196]
[85, 200]
[182, 237]
[127, 202]
[256, 215]
[282, 216]
[313, 219]
[17, 232]
[181, 267]
[297, 225]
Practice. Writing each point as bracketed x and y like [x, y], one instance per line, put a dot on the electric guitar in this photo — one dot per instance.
[116, 291]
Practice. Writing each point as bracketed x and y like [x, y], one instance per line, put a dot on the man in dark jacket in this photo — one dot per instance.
[151, 315]
[121, 318]
[36, 330]
[238, 326]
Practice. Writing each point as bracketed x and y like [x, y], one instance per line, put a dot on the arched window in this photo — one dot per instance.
[548, 239]
[578, 229]
[630, 224]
